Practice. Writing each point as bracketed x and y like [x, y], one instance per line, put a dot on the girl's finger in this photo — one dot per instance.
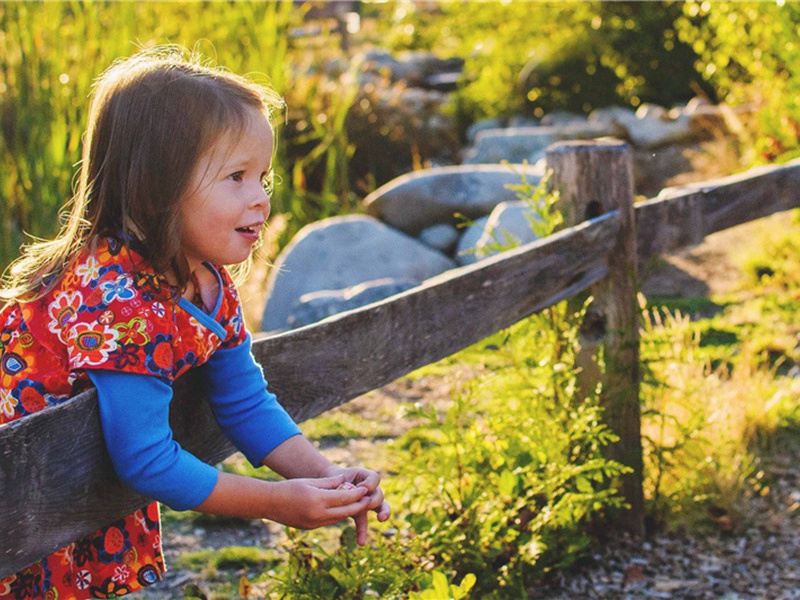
[375, 498]
[340, 513]
[384, 511]
[371, 479]
[361, 528]
[327, 483]
[346, 497]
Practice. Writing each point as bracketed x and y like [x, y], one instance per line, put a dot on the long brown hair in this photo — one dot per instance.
[151, 118]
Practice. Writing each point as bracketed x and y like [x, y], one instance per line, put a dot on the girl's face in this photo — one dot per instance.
[224, 213]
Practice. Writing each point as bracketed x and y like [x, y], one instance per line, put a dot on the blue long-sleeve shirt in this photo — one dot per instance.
[134, 412]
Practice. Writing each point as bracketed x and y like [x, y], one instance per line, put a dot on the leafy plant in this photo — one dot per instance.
[503, 484]
[749, 52]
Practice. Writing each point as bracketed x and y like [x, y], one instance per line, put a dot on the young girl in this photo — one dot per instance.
[133, 293]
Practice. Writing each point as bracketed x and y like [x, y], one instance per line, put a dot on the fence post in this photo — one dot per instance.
[595, 177]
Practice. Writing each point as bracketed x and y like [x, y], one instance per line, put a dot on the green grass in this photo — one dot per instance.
[230, 558]
[340, 426]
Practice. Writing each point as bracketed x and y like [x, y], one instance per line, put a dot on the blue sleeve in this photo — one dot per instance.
[134, 412]
[248, 414]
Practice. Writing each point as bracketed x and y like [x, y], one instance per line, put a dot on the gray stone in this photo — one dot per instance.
[509, 226]
[562, 117]
[342, 252]
[611, 116]
[412, 68]
[421, 199]
[465, 251]
[645, 131]
[652, 133]
[516, 145]
[523, 121]
[651, 111]
[315, 306]
[442, 237]
[478, 126]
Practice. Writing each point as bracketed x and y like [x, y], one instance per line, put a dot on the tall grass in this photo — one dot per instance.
[51, 52]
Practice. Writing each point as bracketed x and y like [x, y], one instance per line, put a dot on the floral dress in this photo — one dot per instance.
[110, 311]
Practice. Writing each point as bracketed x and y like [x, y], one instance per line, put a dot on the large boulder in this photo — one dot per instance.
[342, 252]
[510, 225]
[315, 306]
[421, 199]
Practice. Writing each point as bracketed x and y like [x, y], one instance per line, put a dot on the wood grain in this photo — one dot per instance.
[680, 217]
[596, 177]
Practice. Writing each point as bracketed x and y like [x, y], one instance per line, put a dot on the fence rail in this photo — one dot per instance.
[65, 486]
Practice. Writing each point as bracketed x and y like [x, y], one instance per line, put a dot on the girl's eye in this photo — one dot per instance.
[236, 176]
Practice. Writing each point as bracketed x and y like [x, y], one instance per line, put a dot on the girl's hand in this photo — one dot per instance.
[312, 503]
[369, 480]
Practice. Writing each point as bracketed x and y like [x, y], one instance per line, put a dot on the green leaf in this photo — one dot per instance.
[440, 585]
[508, 483]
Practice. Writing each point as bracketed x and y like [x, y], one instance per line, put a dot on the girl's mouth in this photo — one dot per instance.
[251, 233]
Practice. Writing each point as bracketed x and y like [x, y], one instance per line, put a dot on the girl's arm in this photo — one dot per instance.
[134, 413]
[257, 424]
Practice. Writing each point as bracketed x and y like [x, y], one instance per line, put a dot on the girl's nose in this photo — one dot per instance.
[261, 201]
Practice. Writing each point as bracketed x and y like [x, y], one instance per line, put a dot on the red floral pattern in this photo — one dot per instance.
[109, 311]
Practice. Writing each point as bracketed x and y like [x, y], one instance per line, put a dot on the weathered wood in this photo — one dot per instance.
[683, 216]
[596, 177]
[65, 486]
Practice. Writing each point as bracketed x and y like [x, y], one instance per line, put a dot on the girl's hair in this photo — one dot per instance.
[151, 118]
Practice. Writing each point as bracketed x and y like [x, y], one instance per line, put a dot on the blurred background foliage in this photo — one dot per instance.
[521, 58]
[541, 57]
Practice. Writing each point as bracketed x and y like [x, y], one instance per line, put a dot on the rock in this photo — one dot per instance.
[315, 306]
[442, 237]
[645, 130]
[465, 251]
[652, 133]
[507, 227]
[478, 126]
[612, 116]
[651, 111]
[523, 121]
[415, 69]
[421, 199]
[516, 145]
[342, 252]
[707, 121]
[562, 117]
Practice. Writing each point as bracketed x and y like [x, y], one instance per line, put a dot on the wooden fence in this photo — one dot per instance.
[57, 482]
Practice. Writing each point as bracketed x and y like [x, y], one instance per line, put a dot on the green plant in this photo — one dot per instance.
[503, 484]
[749, 53]
[51, 52]
[314, 570]
[534, 58]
